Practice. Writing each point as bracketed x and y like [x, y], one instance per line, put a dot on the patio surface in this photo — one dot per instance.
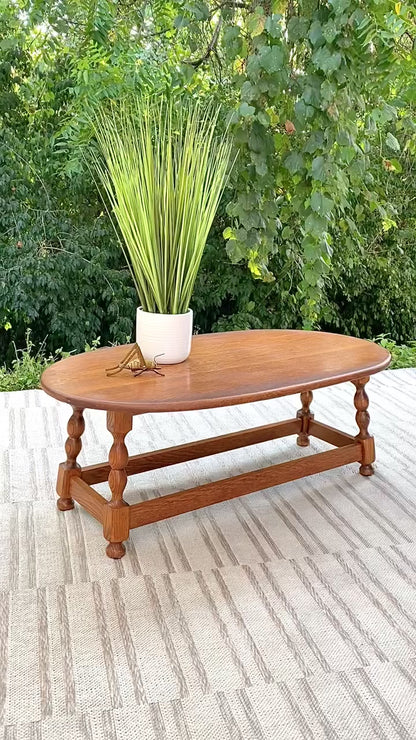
[287, 614]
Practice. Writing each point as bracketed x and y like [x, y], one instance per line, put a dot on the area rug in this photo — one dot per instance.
[289, 613]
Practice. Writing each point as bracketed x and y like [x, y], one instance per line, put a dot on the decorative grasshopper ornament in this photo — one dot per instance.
[135, 362]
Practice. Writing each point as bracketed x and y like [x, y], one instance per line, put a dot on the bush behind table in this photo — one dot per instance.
[61, 273]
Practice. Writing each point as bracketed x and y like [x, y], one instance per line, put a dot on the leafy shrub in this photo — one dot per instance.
[27, 367]
[228, 298]
[61, 270]
[323, 187]
[371, 288]
[403, 355]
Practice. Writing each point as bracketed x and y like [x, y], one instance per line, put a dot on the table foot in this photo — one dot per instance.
[366, 470]
[115, 550]
[65, 504]
[305, 416]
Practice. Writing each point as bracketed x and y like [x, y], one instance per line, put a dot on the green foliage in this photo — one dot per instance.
[403, 355]
[60, 268]
[371, 288]
[320, 100]
[29, 363]
[315, 95]
[27, 367]
[226, 296]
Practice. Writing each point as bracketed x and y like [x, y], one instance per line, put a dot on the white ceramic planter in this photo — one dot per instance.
[165, 334]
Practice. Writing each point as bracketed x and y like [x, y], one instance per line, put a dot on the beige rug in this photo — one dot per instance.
[290, 613]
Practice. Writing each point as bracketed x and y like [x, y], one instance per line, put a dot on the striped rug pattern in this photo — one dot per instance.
[287, 614]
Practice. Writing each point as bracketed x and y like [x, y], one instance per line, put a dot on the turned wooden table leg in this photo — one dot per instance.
[70, 468]
[306, 416]
[363, 419]
[117, 516]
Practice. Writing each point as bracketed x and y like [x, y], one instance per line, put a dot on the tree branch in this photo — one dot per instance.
[210, 48]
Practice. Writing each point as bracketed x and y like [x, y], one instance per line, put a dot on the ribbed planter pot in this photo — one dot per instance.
[165, 334]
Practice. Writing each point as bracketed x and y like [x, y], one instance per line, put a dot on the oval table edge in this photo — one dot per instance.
[217, 402]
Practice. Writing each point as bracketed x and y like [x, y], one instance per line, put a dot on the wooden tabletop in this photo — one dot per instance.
[223, 369]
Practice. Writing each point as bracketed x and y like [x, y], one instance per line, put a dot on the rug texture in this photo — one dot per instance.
[287, 614]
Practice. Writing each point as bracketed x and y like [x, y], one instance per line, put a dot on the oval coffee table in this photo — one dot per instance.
[222, 370]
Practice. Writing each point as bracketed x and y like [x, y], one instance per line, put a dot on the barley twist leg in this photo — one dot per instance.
[363, 419]
[68, 469]
[306, 416]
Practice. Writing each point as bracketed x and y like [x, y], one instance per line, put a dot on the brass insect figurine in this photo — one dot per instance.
[135, 362]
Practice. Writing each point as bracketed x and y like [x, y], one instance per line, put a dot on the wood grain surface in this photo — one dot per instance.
[223, 369]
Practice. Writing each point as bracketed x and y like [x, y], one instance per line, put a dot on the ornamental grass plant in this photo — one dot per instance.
[162, 168]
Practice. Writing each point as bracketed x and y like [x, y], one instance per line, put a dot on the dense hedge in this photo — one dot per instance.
[320, 216]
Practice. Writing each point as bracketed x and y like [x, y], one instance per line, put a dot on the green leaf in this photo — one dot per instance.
[310, 248]
[181, 21]
[315, 225]
[264, 118]
[241, 235]
[326, 60]
[187, 71]
[330, 31]
[315, 142]
[344, 138]
[251, 219]
[236, 251]
[384, 114]
[287, 233]
[318, 169]
[310, 276]
[271, 59]
[253, 67]
[339, 6]
[248, 91]
[246, 110]
[260, 164]
[229, 233]
[258, 139]
[255, 22]
[388, 223]
[303, 112]
[392, 142]
[395, 165]
[294, 162]
[233, 41]
[328, 90]
[347, 154]
[311, 95]
[8, 43]
[320, 204]
[198, 9]
[316, 36]
[273, 26]
[280, 141]
[297, 28]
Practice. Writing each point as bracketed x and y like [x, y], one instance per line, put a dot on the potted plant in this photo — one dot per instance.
[163, 170]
